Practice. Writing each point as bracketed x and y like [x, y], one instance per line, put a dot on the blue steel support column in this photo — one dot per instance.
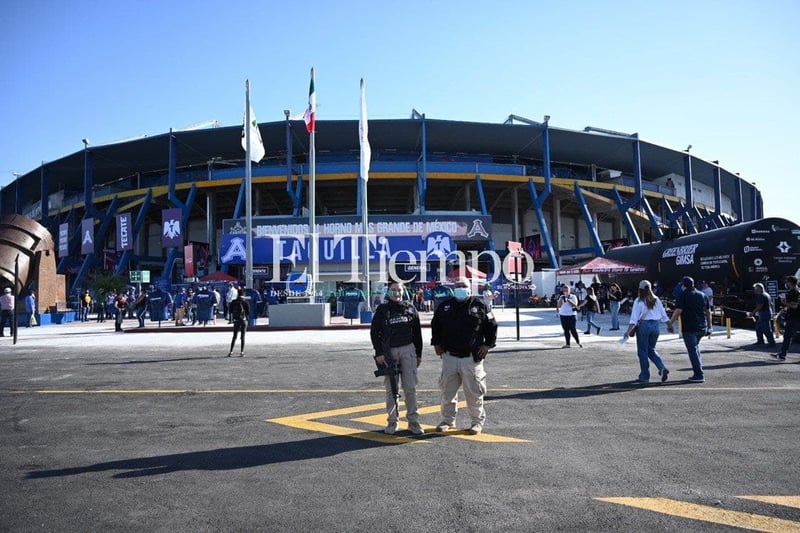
[45, 203]
[186, 208]
[137, 227]
[89, 211]
[638, 196]
[18, 196]
[481, 195]
[760, 205]
[652, 216]
[538, 200]
[587, 217]
[422, 177]
[626, 217]
[295, 194]
[739, 201]
[717, 191]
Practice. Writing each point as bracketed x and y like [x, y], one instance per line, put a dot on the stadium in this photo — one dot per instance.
[568, 195]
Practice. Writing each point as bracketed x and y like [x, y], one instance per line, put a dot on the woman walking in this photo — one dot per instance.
[568, 311]
[647, 314]
[614, 297]
[591, 305]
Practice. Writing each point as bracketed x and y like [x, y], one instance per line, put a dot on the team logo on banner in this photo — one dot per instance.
[63, 239]
[124, 232]
[87, 236]
[171, 234]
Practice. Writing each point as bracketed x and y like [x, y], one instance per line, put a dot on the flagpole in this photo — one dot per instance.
[312, 205]
[248, 176]
[365, 156]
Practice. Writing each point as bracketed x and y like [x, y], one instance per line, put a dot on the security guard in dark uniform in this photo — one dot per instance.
[462, 332]
[397, 338]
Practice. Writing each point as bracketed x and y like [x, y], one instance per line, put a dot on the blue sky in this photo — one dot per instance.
[721, 76]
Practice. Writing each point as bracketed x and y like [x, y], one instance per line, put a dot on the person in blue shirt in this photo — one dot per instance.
[695, 313]
[30, 309]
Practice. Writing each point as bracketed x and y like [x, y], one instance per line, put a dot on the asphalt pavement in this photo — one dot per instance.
[157, 430]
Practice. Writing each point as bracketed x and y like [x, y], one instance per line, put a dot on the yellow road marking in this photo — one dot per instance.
[706, 513]
[380, 419]
[310, 422]
[497, 394]
[786, 501]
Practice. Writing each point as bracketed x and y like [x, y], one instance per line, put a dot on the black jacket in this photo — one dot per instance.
[461, 327]
[395, 324]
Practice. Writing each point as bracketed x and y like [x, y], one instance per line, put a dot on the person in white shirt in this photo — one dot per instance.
[708, 291]
[230, 296]
[7, 312]
[568, 313]
[646, 316]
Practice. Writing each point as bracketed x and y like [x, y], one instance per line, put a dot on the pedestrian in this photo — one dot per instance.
[239, 310]
[695, 313]
[488, 296]
[230, 296]
[7, 312]
[139, 307]
[762, 314]
[706, 289]
[120, 307]
[217, 304]
[591, 305]
[647, 314]
[580, 293]
[567, 309]
[86, 305]
[462, 333]
[397, 339]
[100, 305]
[614, 297]
[792, 314]
[30, 309]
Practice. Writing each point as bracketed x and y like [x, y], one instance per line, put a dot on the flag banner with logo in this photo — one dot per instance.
[171, 232]
[63, 239]
[124, 231]
[87, 236]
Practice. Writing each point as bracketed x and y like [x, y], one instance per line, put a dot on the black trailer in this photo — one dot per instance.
[731, 259]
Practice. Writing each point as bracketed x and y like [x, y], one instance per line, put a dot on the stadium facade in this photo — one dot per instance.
[566, 194]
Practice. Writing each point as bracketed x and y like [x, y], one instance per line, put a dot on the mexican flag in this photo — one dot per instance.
[311, 112]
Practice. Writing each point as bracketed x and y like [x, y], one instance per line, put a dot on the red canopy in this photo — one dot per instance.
[468, 272]
[218, 276]
[602, 265]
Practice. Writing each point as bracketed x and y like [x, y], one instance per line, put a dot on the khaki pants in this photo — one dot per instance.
[407, 357]
[457, 372]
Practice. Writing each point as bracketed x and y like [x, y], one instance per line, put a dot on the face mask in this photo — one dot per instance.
[462, 293]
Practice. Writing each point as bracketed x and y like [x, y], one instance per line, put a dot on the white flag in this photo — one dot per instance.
[256, 144]
[363, 130]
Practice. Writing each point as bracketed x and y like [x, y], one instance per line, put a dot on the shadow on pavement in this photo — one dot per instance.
[145, 361]
[582, 392]
[221, 459]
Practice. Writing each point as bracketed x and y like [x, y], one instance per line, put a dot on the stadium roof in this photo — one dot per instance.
[196, 148]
